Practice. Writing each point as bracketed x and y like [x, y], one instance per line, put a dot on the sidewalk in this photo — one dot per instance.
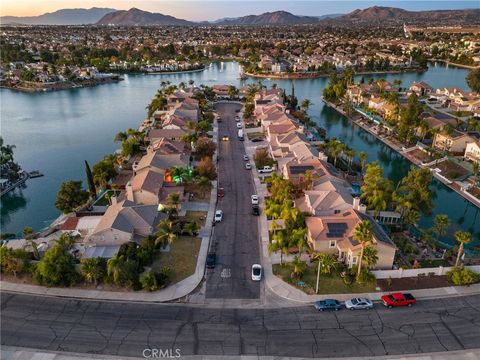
[16, 353]
[173, 292]
[289, 292]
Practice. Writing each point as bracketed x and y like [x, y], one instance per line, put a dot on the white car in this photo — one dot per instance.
[254, 199]
[256, 272]
[359, 303]
[245, 157]
[239, 126]
[248, 166]
[218, 216]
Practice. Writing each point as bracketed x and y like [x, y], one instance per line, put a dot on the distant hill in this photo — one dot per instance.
[60, 17]
[389, 15]
[270, 18]
[136, 16]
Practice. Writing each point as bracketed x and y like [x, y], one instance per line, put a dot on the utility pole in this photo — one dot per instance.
[318, 275]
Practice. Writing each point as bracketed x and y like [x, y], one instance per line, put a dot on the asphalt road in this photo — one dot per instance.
[235, 239]
[127, 329]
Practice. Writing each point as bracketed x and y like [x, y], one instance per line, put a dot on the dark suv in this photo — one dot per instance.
[256, 210]
[211, 260]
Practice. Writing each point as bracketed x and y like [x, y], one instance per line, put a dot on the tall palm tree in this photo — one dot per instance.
[279, 243]
[93, 269]
[204, 184]
[306, 103]
[363, 233]
[298, 267]
[328, 262]
[370, 256]
[463, 237]
[350, 155]
[411, 217]
[114, 268]
[441, 223]
[167, 233]
[298, 237]
[363, 158]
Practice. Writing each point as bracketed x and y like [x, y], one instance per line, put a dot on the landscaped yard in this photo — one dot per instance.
[421, 155]
[253, 135]
[182, 258]
[198, 216]
[104, 200]
[197, 192]
[329, 284]
[451, 170]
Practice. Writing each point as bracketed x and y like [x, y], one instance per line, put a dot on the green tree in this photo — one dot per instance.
[328, 262]
[13, 262]
[441, 223]
[70, 196]
[473, 80]
[299, 267]
[463, 237]
[376, 190]
[192, 228]
[149, 281]
[415, 188]
[27, 231]
[370, 256]
[90, 182]
[204, 184]
[363, 158]
[167, 233]
[363, 233]
[93, 269]
[306, 103]
[57, 267]
[279, 244]
[206, 168]
[104, 171]
[173, 199]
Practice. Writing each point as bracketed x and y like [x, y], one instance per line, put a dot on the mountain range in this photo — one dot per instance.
[134, 16]
[60, 17]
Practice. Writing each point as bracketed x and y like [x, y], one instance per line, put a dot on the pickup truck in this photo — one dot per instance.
[398, 299]
[265, 169]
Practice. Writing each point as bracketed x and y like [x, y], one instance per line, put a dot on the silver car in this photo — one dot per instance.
[358, 304]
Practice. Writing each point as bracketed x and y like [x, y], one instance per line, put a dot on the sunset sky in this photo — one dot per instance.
[210, 10]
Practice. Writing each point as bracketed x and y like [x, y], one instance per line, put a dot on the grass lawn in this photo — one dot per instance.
[182, 258]
[198, 216]
[329, 284]
[198, 195]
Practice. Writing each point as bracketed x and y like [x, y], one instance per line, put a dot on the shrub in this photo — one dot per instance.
[163, 276]
[366, 276]
[463, 276]
[149, 281]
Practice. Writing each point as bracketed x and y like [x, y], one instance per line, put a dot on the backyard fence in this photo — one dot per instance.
[404, 273]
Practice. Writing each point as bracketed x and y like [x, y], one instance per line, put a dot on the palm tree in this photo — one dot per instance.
[298, 237]
[114, 268]
[363, 158]
[31, 244]
[463, 237]
[363, 233]
[298, 267]
[173, 199]
[93, 269]
[181, 85]
[192, 228]
[204, 184]
[167, 233]
[411, 217]
[328, 262]
[350, 155]
[191, 82]
[441, 223]
[370, 256]
[279, 243]
[306, 103]
[121, 136]
[273, 210]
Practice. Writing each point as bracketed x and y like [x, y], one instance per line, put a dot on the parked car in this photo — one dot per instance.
[239, 126]
[256, 210]
[248, 166]
[225, 138]
[219, 119]
[211, 260]
[221, 192]
[245, 157]
[398, 299]
[256, 272]
[218, 215]
[237, 118]
[265, 169]
[257, 139]
[359, 303]
[327, 304]
[254, 199]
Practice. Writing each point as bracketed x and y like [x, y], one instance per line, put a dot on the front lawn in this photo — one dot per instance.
[329, 284]
[182, 258]
[198, 216]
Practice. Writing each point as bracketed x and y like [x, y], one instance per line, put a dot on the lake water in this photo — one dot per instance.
[55, 132]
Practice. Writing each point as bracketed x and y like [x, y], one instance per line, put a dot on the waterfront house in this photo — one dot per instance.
[125, 221]
[160, 163]
[144, 188]
[334, 234]
[454, 142]
[472, 151]
[323, 203]
[170, 134]
[421, 88]
[376, 102]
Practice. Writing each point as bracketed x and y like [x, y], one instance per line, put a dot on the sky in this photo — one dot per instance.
[210, 10]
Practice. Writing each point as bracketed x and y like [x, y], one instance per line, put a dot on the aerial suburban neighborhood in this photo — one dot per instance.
[230, 188]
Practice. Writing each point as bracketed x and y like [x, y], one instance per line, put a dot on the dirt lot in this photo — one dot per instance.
[414, 283]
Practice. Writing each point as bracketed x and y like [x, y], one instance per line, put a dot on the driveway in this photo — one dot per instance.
[235, 239]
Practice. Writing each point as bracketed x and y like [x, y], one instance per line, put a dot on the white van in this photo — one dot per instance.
[265, 169]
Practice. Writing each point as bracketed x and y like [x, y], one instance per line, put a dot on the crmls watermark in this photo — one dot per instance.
[161, 353]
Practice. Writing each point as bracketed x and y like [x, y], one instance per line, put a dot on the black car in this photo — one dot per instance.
[257, 139]
[256, 210]
[211, 260]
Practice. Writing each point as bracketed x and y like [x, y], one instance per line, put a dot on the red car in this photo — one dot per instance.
[221, 192]
[398, 299]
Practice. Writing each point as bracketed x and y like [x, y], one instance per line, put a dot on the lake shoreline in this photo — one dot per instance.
[67, 85]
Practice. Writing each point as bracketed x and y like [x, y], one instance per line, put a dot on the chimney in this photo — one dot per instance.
[358, 206]
[129, 190]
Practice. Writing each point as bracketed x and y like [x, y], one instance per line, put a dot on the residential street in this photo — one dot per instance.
[127, 329]
[235, 239]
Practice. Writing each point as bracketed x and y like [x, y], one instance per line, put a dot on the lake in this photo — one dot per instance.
[55, 132]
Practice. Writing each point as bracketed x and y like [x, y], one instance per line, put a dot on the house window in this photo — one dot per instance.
[337, 211]
[354, 260]
[115, 237]
[333, 243]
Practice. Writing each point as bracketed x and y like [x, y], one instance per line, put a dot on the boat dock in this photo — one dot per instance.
[7, 186]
